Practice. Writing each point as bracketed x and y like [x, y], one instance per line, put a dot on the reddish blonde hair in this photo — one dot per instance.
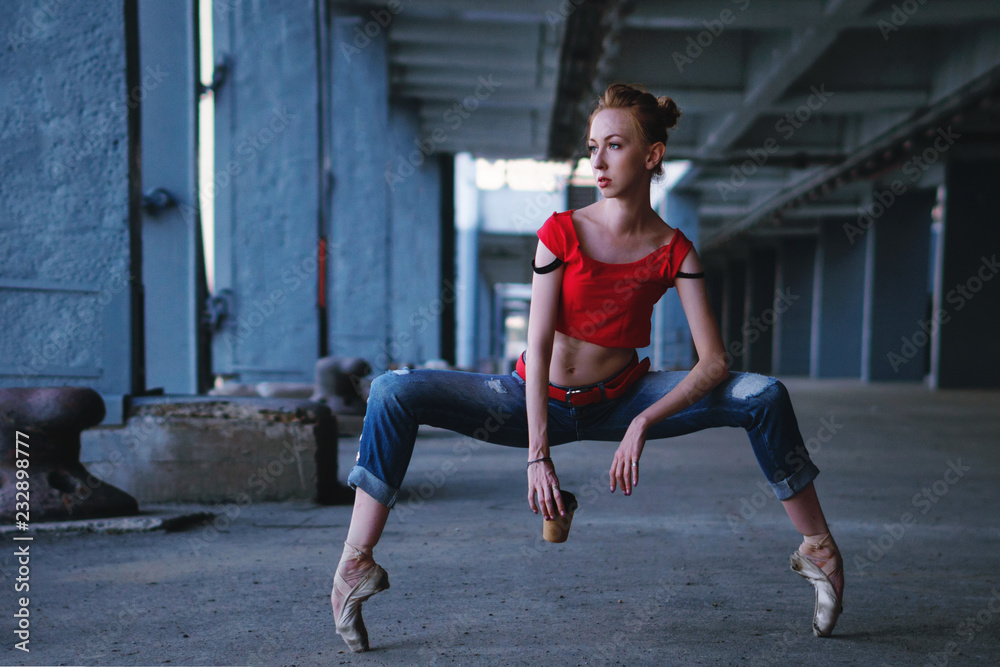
[651, 116]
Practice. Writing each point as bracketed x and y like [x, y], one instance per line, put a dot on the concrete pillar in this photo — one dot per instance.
[447, 255]
[673, 348]
[267, 192]
[758, 326]
[486, 325]
[417, 295]
[70, 260]
[793, 305]
[467, 236]
[360, 309]
[967, 292]
[715, 275]
[839, 290]
[734, 307]
[388, 288]
[896, 333]
[172, 270]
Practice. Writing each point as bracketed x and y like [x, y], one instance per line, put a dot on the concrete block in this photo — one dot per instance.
[238, 450]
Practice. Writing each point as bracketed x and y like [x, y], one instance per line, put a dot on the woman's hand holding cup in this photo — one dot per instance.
[543, 483]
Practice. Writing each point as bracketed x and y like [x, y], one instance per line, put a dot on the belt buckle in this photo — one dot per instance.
[570, 392]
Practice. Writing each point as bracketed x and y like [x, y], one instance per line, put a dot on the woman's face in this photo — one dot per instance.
[619, 159]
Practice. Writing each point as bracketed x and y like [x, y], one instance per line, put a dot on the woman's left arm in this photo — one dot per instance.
[712, 368]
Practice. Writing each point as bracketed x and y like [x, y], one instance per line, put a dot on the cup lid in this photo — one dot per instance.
[569, 500]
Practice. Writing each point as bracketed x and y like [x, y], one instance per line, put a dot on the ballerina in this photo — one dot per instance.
[598, 271]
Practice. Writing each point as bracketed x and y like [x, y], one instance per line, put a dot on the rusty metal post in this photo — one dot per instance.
[48, 421]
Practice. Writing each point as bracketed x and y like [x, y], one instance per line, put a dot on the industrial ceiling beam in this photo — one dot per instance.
[585, 40]
[777, 62]
[876, 156]
[791, 14]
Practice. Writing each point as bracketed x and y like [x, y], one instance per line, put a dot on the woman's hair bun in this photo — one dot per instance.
[668, 111]
[651, 116]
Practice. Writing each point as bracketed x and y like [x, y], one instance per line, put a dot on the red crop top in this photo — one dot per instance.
[609, 304]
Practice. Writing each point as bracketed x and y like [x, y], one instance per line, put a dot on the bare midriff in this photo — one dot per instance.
[576, 362]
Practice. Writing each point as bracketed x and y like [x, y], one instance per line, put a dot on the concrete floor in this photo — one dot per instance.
[691, 569]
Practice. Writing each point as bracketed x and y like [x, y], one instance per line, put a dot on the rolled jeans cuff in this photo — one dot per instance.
[794, 483]
[372, 485]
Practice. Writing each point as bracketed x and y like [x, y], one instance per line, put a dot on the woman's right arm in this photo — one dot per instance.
[545, 289]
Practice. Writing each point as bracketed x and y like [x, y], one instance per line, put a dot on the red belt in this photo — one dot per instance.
[611, 387]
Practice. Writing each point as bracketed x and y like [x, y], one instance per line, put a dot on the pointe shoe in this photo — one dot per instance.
[350, 624]
[828, 606]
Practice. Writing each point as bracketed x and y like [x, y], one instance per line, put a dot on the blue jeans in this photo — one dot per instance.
[492, 408]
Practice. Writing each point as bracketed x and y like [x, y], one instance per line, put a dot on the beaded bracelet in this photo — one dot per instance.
[544, 458]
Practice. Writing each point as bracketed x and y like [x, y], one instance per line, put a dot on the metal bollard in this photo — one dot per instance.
[47, 421]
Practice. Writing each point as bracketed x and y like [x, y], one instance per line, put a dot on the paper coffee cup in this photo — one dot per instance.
[557, 530]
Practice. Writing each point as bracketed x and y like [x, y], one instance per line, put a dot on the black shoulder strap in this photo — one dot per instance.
[548, 267]
[681, 274]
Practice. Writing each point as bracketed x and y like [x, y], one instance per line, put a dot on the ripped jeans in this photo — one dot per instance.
[492, 408]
